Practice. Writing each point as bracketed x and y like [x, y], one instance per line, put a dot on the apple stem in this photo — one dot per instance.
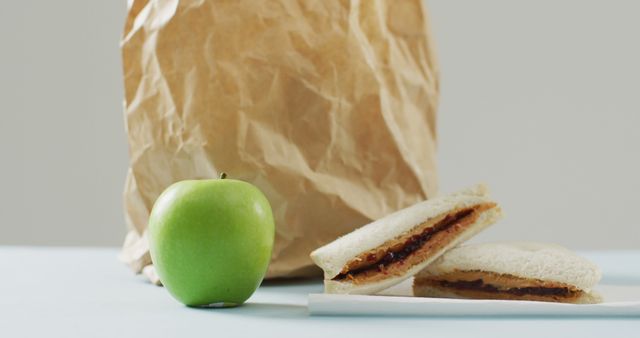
[223, 175]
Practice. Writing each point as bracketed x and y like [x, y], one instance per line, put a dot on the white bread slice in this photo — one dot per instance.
[547, 262]
[344, 287]
[335, 255]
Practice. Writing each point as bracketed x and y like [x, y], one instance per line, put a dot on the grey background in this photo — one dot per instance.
[539, 100]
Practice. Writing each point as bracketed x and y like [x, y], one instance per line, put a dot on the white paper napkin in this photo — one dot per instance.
[618, 301]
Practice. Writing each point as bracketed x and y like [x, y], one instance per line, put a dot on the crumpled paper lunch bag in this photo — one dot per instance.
[327, 106]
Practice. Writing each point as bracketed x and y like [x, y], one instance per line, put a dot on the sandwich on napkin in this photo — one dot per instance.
[512, 271]
[391, 249]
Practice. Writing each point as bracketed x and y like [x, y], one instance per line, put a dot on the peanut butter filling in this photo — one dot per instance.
[396, 256]
[490, 285]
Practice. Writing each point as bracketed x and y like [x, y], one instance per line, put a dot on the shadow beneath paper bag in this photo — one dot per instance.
[290, 281]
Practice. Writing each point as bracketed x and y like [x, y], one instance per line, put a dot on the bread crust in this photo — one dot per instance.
[348, 253]
[438, 241]
[346, 287]
[527, 260]
[333, 256]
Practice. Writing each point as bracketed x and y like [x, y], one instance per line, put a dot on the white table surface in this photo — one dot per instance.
[87, 292]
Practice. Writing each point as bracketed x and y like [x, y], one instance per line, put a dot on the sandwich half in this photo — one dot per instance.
[391, 249]
[511, 271]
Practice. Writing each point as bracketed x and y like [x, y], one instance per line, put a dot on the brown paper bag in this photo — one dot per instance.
[327, 106]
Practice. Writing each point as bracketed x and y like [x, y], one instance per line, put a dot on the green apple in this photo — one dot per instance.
[211, 240]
